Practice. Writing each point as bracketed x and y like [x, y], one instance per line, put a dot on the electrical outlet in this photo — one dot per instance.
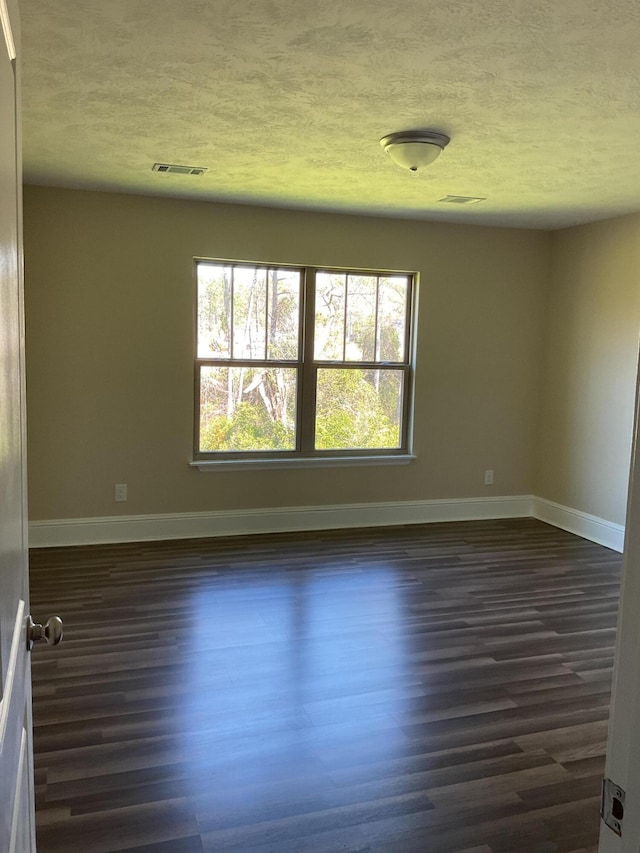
[121, 492]
[488, 477]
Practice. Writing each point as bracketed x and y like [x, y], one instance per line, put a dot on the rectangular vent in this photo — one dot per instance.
[178, 170]
[461, 199]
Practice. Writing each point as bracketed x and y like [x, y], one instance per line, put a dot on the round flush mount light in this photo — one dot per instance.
[414, 149]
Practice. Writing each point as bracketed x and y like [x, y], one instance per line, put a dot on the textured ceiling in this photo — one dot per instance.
[284, 102]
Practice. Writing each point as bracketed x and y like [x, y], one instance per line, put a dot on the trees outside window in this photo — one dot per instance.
[301, 361]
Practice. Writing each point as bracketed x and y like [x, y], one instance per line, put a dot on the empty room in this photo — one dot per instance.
[317, 404]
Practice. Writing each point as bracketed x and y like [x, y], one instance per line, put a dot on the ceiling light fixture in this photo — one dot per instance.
[414, 149]
[462, 199]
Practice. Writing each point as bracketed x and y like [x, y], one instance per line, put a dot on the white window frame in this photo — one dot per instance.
[305, 454]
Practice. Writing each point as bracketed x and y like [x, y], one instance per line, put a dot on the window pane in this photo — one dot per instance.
[214, 310]
[329, 327]
[358, 408]
[247, 408]
[361, 317]
[249, 306]
[392, 318]
[283, 313]
[256, 307]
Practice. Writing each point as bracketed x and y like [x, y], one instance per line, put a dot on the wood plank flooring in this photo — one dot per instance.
[421, 689]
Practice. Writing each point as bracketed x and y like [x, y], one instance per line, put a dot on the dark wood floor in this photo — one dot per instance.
[395, 690]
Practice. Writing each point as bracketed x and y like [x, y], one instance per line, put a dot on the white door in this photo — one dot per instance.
[16, 785]
[623, 748]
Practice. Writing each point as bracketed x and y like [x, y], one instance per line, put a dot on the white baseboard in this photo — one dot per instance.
[140, 528]
[581, 523]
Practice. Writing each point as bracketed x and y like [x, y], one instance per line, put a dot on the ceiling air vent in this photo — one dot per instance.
[178, 170]
[462, 199]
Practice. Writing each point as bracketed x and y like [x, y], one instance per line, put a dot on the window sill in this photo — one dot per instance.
[209, 465]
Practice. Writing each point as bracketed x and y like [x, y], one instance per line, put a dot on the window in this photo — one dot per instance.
[301, 362]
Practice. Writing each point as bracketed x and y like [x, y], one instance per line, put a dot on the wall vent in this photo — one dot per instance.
[461, 199]
[178, 170]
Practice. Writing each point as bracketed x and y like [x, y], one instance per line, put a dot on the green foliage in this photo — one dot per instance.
[350, 413]
[250, 428]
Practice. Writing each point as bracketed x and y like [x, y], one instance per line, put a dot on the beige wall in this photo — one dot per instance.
[110, 339]
[591, 348]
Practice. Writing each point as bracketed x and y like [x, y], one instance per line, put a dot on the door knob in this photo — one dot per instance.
[50, 632]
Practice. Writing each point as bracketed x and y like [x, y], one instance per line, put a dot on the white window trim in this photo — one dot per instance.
[337, 458]
[210, 465]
